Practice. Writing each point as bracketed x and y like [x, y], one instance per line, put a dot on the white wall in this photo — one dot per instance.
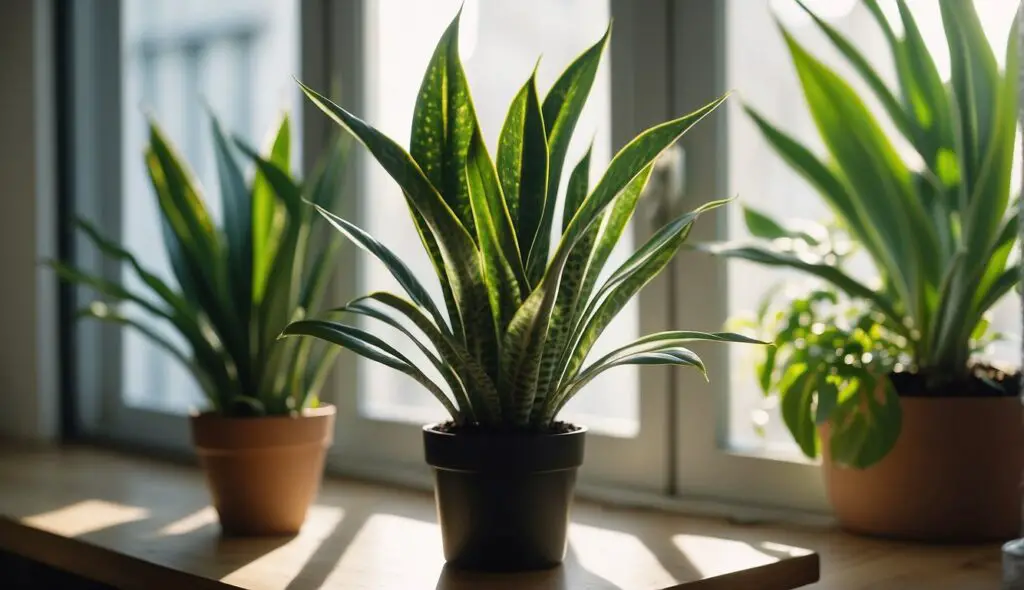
[28, 331]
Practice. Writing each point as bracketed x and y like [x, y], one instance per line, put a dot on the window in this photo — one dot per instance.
[656, 432]
[180, 62]
[759, 68]
[177, 63]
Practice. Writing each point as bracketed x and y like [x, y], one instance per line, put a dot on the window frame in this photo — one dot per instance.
[681, 459]
[94, 102]
[706, 465]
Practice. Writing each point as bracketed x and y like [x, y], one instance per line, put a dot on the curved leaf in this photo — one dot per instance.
[868, 73]
[563, 315]
[461, 259]
[645, 344]
[638, 270]
[398, 269]
[561, 111]
[450, 376]
[833, 275]
[101, 312]
[266, 228]
[668, 355]
[482, 394]
[522, 161]
[367, 345]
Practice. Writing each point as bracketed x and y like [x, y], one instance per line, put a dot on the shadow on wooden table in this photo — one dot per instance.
[577, 572]
[186, 534]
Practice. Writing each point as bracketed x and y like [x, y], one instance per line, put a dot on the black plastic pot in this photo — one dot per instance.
[503, 500]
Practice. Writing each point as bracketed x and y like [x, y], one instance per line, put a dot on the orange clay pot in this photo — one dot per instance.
[953, 476]
[263, 473]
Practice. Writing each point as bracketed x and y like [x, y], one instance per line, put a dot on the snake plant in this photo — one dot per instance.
[519, 317]
[939, 225]
[238, 285]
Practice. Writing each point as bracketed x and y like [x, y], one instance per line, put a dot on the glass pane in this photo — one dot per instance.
[759, 67]
[181, 59]
[500, 42]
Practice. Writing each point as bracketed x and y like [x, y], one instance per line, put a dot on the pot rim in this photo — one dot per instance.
[504, 452]
[323, 410]
[506, 435]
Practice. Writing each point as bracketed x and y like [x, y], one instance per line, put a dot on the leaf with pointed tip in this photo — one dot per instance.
[560, 111]
[266, 224]
[456, 246]
[369, 346]
[645, 344]
[880, 179]
[194, 258]
[445, 369]
[667, 355]
[522, 162]
[929, 103]
[638, 270]
[975, 83]
[522, 346]
[443, 126]
[483, 398]
[237, 207]
[563, 315]
[398, 269]
[868, 73]
[505, 286]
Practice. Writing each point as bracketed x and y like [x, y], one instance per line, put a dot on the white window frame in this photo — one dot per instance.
[94, 104]
[666, 58]
[707, 467]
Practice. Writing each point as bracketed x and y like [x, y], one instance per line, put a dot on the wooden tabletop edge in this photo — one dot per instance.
[95, 563]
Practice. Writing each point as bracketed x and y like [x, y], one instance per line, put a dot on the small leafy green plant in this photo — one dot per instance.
[520, 319]
[238, 285]
[939, 227]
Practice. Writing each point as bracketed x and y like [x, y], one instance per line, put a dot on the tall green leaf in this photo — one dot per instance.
[877, 174]
[563, 316]
[866, 71]
[522, 345]
[482, 394]
[367, 345]
[266, 222]
[443, 125]
[638, 270]
[522, 161]
[561, 110]
[504, 285]
[975, 83]
[237, 205]
[457, 247]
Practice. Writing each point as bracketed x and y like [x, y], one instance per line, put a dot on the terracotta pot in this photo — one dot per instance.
[263, 473]
[954, 474]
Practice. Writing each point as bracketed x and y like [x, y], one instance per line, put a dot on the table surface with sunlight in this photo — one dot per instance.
[357, 535]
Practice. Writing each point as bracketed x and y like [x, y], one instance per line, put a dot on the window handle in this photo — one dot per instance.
[667, 188]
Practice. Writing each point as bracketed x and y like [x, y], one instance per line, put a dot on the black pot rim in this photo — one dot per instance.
[524, 452]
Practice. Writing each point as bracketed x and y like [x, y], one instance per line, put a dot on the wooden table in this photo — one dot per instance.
[139, 523]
